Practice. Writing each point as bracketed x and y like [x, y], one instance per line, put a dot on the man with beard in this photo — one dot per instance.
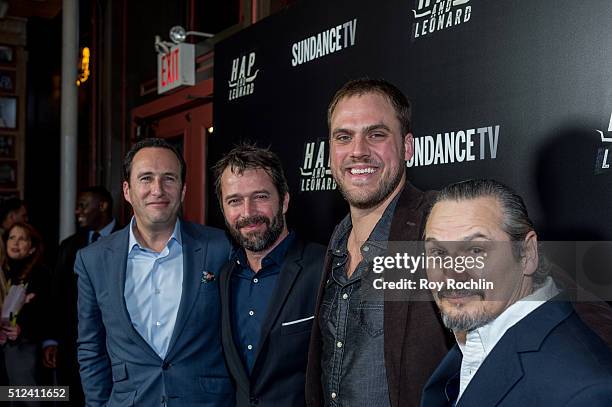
[269, 287]
[365, 351]
[94, 213]
[520, 325]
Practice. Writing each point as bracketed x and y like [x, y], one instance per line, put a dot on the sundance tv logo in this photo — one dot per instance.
[604, 158]
[242, 79]
[315, 173]
[432, 16]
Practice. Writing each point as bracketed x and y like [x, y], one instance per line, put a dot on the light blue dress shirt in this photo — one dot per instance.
[153, 288]
[105, 231]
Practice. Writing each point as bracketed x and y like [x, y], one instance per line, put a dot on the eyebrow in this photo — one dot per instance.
[366, 129]
[237, 195]
[468, 238]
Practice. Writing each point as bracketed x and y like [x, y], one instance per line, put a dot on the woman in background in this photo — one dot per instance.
[23, 333]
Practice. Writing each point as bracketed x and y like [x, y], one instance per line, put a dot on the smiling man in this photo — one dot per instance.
[148, 306]
[365, 351]
[94, 214]
[519, 343]
[269, 288]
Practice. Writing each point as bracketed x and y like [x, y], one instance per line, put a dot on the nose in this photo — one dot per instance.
[247, 208]
[157, 187]
[360, 147]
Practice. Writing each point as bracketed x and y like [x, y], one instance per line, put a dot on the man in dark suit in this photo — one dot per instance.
[94, 213]
[269, 287]
[520, 341]
[148, 306]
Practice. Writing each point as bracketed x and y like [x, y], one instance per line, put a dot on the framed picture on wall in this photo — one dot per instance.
[7, 81]
[7, 146]
[8, 174]
[7, 54]
[8, 112]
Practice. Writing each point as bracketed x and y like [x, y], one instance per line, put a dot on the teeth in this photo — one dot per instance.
[362, 170]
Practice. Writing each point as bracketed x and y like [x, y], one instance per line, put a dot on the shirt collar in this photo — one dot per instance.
[486, 337]
[378, 237]
[176, 235]
[276, 256]
[105, 231]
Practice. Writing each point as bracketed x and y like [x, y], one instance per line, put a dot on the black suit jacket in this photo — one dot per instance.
[549, 358]
[280, 364]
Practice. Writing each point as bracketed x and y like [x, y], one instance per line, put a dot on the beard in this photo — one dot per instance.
[465, 321]
[362, 200]
[258, 241]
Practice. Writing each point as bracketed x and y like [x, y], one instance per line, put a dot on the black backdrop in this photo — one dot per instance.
[529, 82]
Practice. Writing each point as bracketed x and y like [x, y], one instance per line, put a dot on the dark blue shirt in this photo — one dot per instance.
[250, 297]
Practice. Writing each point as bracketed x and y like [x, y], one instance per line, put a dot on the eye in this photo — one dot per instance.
[378, 135]
[233, 202]
[477, 251]
[145, 178]
[342, 138]
[436, 252]
[261, 196]
[170, 178]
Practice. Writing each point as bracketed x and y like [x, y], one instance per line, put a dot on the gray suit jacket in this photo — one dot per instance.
[118, 367]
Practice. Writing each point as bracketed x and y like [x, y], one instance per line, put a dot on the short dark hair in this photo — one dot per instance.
[516, 222]
[155, 143]
[8, 206]
[362, 86]
[247, 156]
[102, 194]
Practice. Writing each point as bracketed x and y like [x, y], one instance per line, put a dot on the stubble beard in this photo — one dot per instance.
[258, 241]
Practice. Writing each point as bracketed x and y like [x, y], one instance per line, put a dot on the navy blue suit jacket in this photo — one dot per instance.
[118, 367]
[549, 358]
[280, 365]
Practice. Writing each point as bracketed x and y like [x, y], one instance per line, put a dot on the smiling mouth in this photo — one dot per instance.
[362, 171]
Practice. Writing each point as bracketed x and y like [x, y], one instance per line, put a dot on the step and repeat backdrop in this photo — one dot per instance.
[515, 90]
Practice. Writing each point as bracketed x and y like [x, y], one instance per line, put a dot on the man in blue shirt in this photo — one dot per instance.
[148, 307]
[269, 287]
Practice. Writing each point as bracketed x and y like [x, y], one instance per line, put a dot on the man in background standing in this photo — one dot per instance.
[94, 213]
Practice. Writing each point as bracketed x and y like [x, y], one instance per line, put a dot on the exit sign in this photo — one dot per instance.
[176, 68]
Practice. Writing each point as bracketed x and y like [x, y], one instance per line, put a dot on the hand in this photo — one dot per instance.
[50, 356]
[3, 337]
[12, 332]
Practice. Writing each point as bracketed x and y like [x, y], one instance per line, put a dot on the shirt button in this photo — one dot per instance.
[344, 296]
[337, 264]
[249, 347]
[157, 291]
[157, 323]
[238, 261]
[256, 280]
[339, 344]
[366, 248]
[251, 312]
[334, 395]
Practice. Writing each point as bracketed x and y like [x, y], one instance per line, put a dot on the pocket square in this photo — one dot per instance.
[297, 321]
[207, 277]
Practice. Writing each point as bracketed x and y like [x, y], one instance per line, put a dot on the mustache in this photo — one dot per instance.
[445, 293]
[255, 219]
[365, 161]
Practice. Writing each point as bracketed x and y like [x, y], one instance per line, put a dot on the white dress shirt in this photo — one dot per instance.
[153, 288]
[481, 341]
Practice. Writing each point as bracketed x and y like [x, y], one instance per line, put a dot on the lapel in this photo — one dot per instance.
[435, 391]
[115, 266]
[289, 272]
[232, 351]
[503, 367]
[194, 253]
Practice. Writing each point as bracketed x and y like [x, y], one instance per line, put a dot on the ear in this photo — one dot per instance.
[408, 146]
[531, 256]
[286, 203]
[183, 192]
[126, 191]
